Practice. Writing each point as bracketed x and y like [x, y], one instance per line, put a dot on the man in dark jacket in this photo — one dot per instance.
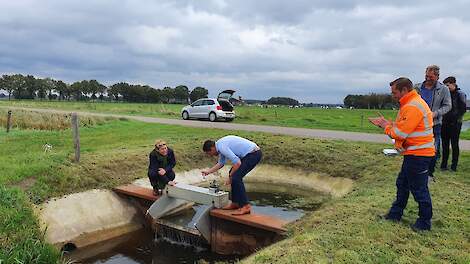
[437, 96]
[161, 163]
[452, 123]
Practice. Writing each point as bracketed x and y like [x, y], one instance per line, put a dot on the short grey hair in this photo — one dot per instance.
[433, 68]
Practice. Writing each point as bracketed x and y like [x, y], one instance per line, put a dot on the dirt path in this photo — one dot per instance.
[298, 132]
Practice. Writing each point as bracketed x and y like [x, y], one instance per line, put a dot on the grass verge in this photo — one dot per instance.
[21, 241]
[331, 119]
[347, 230]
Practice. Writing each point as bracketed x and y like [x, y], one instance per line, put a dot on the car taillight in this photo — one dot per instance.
[219, 107]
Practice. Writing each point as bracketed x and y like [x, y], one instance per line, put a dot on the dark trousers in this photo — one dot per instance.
[238, 187]
[437, 144]
[450, 135]
[413, 178]
[158, 181]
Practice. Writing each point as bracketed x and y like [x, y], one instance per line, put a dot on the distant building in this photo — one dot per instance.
[326, 106]
[254, 102]
[178, 101]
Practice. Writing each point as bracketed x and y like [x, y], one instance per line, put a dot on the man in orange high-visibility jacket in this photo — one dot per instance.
[413, 134]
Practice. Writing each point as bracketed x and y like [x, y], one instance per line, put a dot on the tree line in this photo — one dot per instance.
[370, 101]
[29, 87]
[282, 101]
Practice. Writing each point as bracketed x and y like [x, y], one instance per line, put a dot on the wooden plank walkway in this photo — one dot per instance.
[265, 222]
[136, 191]
[260, 221]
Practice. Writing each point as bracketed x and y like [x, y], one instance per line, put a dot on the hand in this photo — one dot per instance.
[205, 172]
[161, 171]
[434, 114]
[172, 183]
[379, 121]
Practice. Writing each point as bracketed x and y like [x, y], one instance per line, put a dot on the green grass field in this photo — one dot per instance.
[343, 230]
[332, 119]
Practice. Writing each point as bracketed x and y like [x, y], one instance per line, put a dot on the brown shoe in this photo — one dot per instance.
[231, 206]
[246, 209]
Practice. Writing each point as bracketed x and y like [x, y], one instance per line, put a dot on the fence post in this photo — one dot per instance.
[76, 136]
[9, 121]
[362, 120]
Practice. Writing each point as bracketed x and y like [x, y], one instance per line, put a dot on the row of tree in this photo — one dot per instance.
[29, 87]
[282, 101]
[370, 101]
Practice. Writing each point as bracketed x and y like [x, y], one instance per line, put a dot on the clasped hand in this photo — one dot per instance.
[379, 121]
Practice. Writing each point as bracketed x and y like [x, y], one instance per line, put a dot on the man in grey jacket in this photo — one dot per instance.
[437, 96]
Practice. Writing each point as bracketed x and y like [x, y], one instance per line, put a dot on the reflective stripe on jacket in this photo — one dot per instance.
[412, 129]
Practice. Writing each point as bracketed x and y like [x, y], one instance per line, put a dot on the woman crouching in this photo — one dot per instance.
[161, 163]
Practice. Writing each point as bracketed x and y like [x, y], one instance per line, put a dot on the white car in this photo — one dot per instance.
[210, 108]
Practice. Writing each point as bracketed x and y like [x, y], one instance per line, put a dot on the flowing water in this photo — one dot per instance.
[174, 246]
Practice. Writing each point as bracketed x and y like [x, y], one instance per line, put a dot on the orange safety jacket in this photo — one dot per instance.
[412, 129]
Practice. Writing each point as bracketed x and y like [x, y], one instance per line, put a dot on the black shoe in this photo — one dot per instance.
[444, 169]
[418, 229]
[388, 218]
[454, 169]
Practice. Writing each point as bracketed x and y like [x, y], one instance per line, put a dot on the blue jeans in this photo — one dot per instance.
[413, 178]
[238, 187]
[437, 144]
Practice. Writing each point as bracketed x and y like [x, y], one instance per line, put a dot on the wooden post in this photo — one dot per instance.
[362, 120]
[76, 136]
[9, 121]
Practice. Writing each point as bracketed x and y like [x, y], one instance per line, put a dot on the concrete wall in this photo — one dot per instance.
[93, 216]
[97, 215]
[88, 217]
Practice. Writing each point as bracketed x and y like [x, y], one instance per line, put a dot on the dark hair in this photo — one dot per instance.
[208, 145]
[450, 79]
[402, 83]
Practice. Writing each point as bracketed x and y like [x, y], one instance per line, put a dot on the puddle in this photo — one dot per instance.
[284, 202]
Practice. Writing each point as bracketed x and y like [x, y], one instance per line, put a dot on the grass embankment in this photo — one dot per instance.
[331, 119]
[24, 119]
[116, 152]
[347, 230]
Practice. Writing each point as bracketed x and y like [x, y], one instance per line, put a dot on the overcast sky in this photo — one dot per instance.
[313, 51]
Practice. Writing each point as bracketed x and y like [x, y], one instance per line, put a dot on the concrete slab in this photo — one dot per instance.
[88, 217]
[198, 195]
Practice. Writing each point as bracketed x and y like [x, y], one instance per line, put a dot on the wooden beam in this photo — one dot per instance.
[255, 220]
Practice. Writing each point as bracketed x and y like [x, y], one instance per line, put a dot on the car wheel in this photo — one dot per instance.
[185, 115]
[212, 117]
[229, 119]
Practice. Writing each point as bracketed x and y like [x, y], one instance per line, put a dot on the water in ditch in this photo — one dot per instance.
[288, 203]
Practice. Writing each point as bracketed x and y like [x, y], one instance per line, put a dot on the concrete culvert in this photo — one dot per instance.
[68, 247]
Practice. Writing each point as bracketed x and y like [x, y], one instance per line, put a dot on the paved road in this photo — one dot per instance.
[298, 132]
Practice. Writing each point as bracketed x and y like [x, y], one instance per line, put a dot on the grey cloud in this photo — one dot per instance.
[311, 50]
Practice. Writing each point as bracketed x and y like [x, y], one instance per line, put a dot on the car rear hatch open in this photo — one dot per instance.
[224, 100]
